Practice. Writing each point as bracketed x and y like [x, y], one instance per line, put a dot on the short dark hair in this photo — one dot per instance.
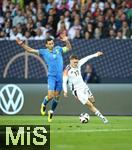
[73, 57]
[48, 39]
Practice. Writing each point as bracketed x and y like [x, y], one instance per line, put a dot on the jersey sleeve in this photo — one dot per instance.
[85, 59]
[65, 80]
[41, 52]
[62, 49]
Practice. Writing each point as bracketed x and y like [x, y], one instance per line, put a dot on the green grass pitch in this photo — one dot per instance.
[67, 133]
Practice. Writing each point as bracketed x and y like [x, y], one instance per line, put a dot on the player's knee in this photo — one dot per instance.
[92, 100]
[50, 96]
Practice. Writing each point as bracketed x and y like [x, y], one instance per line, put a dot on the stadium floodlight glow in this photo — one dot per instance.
[11, 99]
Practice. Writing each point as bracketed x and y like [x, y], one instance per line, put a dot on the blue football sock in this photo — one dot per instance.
[45, 102]
[54, 104]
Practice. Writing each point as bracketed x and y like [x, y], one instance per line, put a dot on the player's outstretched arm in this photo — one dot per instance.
[85, 59]
[27, 48]
[68, 44]
[99, 53]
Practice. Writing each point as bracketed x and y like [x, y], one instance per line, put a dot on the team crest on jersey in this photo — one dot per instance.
[54, 55]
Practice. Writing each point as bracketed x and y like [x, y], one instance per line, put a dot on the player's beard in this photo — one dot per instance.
[50, 48]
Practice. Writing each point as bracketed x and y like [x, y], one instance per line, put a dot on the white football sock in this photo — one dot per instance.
[98, 113]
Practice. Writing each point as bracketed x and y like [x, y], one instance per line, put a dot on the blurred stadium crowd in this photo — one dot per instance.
[39, 19]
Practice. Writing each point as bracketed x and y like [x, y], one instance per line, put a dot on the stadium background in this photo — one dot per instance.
[91, 25]
[113, 93]
[115, 66]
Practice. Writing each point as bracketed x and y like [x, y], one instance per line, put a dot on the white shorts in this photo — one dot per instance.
[83, 94]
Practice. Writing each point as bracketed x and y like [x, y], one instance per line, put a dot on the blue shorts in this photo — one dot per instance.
[55, 83]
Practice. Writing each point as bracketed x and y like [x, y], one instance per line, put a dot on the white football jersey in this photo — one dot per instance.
[73, 76]
[75, 80]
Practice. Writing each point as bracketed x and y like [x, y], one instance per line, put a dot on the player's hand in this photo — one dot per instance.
[99, 53]
[18, 41]
[65, 94]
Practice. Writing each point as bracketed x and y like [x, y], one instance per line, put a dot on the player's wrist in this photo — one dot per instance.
[22, 43]
[96, 55]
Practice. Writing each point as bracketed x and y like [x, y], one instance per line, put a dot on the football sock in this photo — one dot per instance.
[97, 113]
[45, 102]
[54, 104]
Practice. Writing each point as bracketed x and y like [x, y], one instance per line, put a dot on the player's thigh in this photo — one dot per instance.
[90, 96]
[58, 87]
[51, 83]
[83, 95]
[92, 99]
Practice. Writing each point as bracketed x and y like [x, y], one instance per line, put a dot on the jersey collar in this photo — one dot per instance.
[53, 51]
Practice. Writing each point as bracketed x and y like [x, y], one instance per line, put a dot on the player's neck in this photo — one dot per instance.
[50, 49]
[72, 66]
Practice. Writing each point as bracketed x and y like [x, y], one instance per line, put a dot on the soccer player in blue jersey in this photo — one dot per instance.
[53, 58]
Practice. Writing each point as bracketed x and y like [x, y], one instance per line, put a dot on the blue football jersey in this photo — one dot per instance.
[53, 59]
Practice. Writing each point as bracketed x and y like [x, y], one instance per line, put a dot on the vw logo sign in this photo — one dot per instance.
[11, 99]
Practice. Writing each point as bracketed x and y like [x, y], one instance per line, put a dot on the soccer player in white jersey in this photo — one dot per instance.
[72, 76]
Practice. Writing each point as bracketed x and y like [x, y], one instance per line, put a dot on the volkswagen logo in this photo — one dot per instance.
[11, 99]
